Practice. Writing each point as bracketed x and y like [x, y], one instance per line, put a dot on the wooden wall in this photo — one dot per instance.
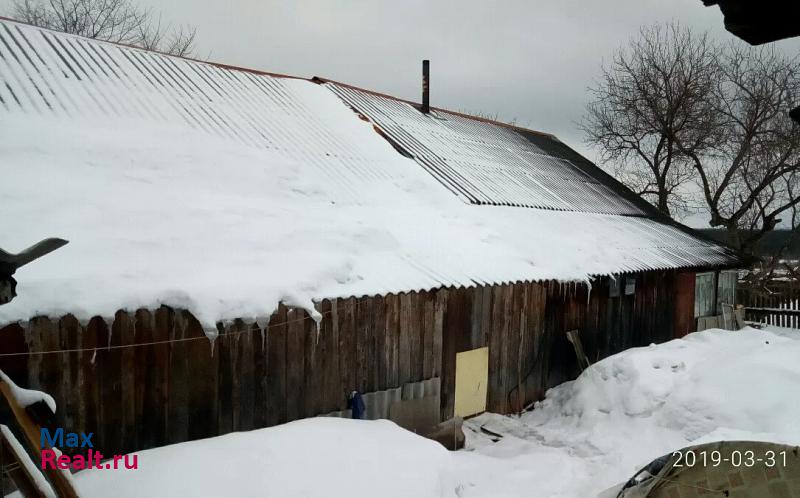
[684, 303]
[176, 385]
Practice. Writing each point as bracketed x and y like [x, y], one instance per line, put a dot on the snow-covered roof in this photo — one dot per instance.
[225, 191]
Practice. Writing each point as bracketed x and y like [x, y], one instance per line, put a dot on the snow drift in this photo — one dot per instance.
[330, 457]
[632, 407]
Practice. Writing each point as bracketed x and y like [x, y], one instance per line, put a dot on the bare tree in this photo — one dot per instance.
[750, 179]
[681, 119]
[652, 96]
[165, 38]
[118, 21]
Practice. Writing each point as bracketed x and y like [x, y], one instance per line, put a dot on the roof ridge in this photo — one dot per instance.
[222, 65]
[314, 79]
[320, 79]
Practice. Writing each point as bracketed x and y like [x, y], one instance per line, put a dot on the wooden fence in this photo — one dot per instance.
[779, 305]
[152, 377]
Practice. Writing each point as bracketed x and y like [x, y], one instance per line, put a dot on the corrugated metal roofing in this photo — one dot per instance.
[52, 74]
[484, 163]
[397, 230]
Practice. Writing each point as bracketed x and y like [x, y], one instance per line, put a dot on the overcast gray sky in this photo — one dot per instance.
[530, 60]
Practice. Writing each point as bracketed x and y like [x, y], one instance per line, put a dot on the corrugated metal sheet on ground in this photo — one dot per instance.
[484, 163]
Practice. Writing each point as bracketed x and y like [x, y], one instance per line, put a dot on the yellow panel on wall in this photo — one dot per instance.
[472, 378]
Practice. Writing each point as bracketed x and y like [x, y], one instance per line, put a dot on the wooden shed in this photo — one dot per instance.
[455, 264]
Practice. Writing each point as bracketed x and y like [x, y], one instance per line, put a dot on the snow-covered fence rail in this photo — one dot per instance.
[152, 377]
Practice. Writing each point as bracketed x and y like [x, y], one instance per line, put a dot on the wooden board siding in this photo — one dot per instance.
[684, 303]
[255, 375]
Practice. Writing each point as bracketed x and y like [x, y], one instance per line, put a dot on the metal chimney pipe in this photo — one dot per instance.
[426, 86]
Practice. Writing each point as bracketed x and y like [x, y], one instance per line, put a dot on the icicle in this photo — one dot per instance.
[94, 355]
[588, 283]
[212, 335]
[317, 317]
[263, 324]
[263, 338]
[306, 304]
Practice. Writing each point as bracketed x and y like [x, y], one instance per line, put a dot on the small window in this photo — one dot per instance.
[704, 294]
[726, 289]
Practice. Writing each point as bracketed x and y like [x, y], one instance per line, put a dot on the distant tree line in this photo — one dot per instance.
[120, 21]
[779, 241]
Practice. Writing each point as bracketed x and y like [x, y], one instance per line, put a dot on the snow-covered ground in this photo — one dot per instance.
[585, 437]
[632, 407]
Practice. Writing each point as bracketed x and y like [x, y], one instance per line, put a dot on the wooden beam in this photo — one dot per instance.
[21, 468]
[32, 433]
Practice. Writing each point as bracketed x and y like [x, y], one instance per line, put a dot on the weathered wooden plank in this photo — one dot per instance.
[684, 303]
[95, 332]
[259, 341]
[380, 365]
[163, 319]
[476, 333]
[524, 354]
[439, 308]
[329, 347]
[108, 369]
[29, 340]
[346, 309]
[506, 357]
[97, 337]
[428, 333]
[276, 367]
[392, 351]
[514, 350]
[415, 337]
[450, 324]
[70, 331]
[227, 383]
[179, 378]
[143, 357]
[494, 394]
[123, 328]
[539, 311]
[13, 340]
[404, 343]
[312, 370]
[363, 318]
[244, 373]
[204, 403]
[295, 363]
